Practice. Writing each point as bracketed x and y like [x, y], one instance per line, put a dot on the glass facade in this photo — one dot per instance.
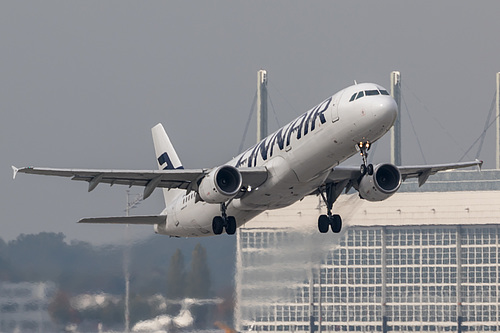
[374, 279]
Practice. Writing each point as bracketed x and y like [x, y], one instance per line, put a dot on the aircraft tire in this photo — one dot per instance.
[362, 169]
[231, 225]
[323, 223]
[336, 223]
[369, 169]
[217, 225]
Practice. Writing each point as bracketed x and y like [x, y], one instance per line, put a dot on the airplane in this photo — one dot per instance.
[302, 158]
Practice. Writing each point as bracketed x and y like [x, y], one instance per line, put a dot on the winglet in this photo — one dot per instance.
[15, 170]
[479, 164]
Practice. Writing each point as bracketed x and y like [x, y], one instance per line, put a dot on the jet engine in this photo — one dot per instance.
[220, 185]
[381, 184]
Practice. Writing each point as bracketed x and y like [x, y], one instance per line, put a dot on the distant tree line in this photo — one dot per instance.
[79, 267]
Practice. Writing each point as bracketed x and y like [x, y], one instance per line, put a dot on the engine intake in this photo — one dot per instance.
[220, 185]
[384, 182]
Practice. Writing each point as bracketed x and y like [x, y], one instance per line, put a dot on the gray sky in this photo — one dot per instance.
[82, 83]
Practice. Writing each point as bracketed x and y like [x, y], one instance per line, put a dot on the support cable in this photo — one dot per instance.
[282, 96]
[240, 150]
[435, 119]
[274, 111]
[483, 135]
[413, 128]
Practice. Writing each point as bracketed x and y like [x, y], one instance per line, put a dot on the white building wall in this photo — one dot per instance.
[23, 306]
[417, 261]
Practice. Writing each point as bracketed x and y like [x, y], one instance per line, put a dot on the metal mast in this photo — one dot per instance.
[396, 129]
[498, 122]
[261, 105]
[126, 258]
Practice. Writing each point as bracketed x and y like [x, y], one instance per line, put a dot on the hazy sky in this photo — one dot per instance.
[82, 83]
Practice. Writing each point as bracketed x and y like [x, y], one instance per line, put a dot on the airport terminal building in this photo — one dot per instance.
[426, 259]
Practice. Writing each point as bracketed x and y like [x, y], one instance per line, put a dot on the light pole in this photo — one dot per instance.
[126, 257]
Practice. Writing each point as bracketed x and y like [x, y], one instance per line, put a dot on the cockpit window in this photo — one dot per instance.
[361, 94]
[364, 93]
[371, 92]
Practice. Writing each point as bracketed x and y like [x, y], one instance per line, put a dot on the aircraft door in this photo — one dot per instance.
[335, 105]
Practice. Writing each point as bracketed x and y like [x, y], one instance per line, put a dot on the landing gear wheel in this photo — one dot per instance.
[336, 223]
[230, 225]
[362, 169]
[332, 191]
[218, 225]
[323, 223]
[369, 169]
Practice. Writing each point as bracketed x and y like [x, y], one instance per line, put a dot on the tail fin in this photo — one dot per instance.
[166, 157]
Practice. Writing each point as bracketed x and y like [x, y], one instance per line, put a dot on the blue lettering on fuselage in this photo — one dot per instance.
[304, 124]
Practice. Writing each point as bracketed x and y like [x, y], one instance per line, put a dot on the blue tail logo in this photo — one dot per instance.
[165, 159]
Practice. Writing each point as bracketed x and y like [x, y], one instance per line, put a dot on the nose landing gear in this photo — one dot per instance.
[333, 190]
[365, 168]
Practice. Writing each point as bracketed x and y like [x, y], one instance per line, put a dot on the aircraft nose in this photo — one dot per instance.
[386, 109]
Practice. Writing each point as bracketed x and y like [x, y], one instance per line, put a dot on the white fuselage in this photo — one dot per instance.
[298, 157]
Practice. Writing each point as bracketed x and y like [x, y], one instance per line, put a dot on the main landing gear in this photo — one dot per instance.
[330, 220]
[224, 221]
[326, 221]
[363, 148]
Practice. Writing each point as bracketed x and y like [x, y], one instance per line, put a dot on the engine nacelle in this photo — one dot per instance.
[384, 182]
[220, 185]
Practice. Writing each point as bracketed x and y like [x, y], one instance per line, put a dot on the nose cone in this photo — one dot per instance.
[386, 110]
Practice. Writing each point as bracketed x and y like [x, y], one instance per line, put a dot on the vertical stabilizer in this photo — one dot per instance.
[166, 157]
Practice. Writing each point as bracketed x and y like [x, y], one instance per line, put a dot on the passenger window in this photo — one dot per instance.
[353, 97]
[361, 94]
[384, 92]
[371, 92]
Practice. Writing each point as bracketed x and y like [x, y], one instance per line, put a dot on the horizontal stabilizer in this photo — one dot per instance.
[147, 219]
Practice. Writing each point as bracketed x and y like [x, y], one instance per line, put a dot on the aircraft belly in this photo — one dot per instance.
[277, 187]
[196, 220]
[279, 195]
[189, 219]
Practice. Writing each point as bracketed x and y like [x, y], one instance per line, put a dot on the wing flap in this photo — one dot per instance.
[145, 220]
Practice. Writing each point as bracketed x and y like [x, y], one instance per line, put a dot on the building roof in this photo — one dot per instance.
[448, 198]
[471, 180]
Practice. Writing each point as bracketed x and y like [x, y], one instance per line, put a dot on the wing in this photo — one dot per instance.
[181, 178]
[423, 172]
[345, 177]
